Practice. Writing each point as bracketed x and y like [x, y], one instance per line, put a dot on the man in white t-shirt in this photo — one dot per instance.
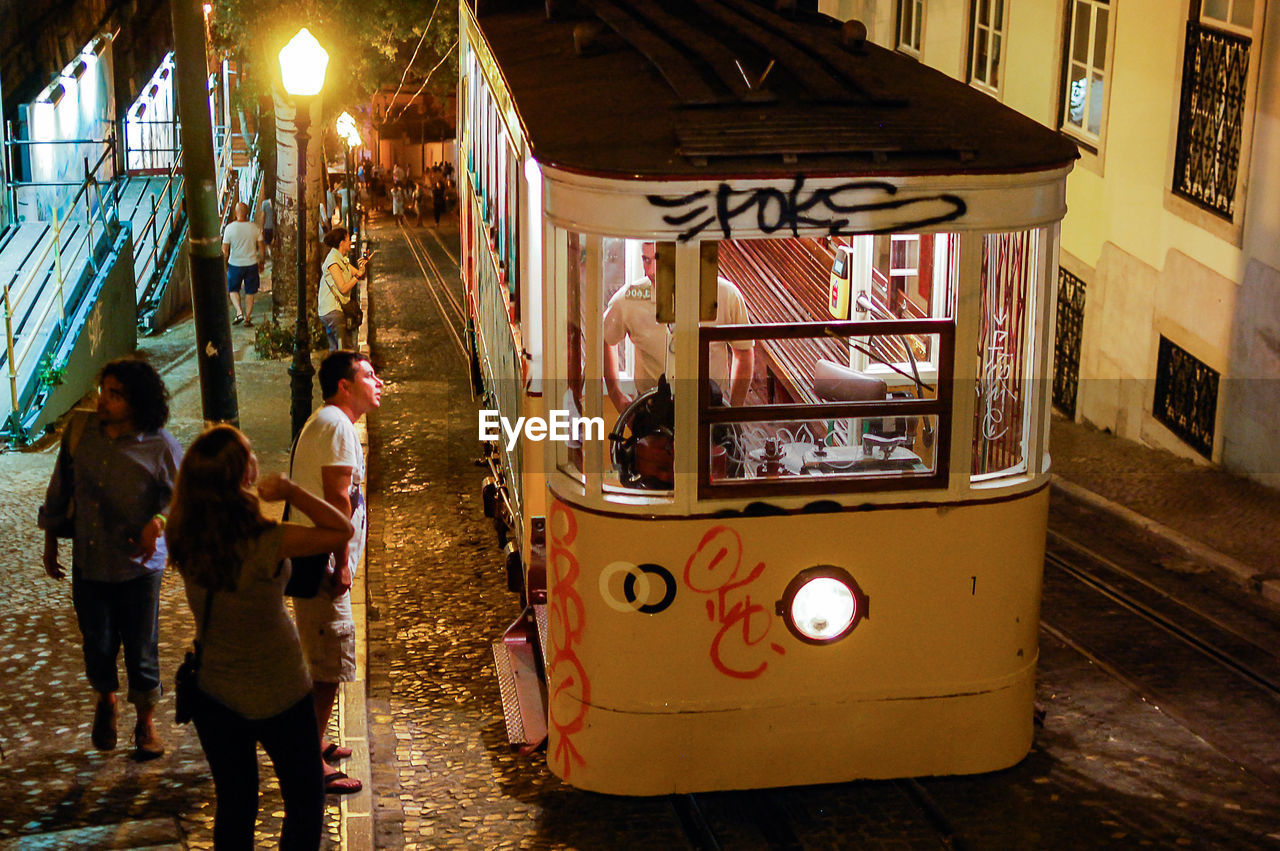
[328, 460]
[244, 251]
[631, 313]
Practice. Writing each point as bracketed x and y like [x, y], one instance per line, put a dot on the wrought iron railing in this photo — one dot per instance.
[1186, 397]
[1066, 342]
[1215, 74]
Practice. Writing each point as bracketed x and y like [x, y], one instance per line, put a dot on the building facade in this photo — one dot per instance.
[1169, 279]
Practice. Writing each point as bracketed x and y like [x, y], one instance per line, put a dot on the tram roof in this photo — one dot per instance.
[660, 90]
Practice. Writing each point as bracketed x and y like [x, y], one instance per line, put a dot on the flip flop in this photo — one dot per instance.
[338, 783]
[335, 753]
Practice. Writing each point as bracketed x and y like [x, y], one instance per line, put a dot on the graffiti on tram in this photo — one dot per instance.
[872, 202]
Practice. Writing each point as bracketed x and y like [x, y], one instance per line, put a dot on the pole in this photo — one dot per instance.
[301, 371]
[214, 352]
[351, 203]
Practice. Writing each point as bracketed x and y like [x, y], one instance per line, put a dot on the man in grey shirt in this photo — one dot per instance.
[112, 482]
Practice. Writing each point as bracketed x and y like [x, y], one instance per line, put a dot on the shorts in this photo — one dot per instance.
[328, 637]
[248, 275]
[268, 235]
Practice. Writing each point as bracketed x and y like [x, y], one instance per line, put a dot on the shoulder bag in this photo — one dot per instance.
[186, 690]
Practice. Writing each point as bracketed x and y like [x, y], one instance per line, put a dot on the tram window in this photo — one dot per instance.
[1005, 344]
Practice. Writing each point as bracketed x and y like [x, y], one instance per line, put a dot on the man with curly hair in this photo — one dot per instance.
[110, 489]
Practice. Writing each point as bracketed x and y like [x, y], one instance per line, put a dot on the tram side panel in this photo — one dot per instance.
[671, 669]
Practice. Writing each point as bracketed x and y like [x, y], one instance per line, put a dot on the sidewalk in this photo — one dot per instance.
[1228, 522]
[59, 791]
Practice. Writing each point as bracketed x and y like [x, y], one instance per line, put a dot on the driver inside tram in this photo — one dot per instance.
[631, 314]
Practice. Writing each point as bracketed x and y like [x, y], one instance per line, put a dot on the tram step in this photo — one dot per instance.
[524, 699]
[540, 615]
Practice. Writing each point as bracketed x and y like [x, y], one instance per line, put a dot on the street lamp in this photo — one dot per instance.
[302, 65]
[347, 130]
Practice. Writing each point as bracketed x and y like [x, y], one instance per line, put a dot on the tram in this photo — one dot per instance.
[807, 286]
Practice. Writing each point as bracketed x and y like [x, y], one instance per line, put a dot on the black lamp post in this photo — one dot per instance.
[302, 66]
[351, 137]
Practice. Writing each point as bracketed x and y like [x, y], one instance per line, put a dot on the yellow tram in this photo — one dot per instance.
[807, 287]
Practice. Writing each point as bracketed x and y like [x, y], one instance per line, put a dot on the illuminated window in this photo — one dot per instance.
[986, 45]
[910, 26]
[1233, 15]
[1084, 101]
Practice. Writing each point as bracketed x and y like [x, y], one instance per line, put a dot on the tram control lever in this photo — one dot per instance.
[872, 443]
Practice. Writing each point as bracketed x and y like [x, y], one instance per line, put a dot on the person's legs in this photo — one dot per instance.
[251, 282]
[231, 749]
[290, 739]
[101, 645]
[138, 610]
[233, 290]
[332, 322]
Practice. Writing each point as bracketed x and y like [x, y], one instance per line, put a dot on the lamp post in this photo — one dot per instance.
[302, 65]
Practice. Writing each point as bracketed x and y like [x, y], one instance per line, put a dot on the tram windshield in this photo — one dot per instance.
[816, 365]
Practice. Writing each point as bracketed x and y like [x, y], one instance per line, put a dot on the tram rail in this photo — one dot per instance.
[452, 317]
[1180, 658]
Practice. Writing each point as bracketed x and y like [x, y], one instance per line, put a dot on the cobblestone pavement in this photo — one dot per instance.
[58, 790]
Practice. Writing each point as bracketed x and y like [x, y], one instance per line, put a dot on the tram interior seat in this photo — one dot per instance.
[836, 383]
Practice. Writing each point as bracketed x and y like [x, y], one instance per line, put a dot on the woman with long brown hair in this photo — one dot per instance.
[252, 678]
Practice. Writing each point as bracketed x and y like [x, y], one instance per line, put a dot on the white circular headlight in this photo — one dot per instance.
[822, 604]
[823, 608]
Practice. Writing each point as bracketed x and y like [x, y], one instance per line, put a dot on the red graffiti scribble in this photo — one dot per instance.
[570, 688]
[713, 568]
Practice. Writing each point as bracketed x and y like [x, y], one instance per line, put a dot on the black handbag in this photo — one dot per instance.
[186, 688]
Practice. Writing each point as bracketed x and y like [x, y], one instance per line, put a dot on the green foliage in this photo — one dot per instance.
[50, 373]
[369, 42]
[273, 341]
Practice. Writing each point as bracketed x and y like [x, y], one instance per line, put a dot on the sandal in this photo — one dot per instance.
[248, 323]
[338, 783]
[239, 318]
[335, 753]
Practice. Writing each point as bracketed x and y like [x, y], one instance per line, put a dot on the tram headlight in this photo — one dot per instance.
[822, 604]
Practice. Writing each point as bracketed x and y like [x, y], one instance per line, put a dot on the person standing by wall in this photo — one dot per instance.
[268, 224]
[337, 286]
[111, 484]
[253, 681]
[328, 459]
[242, 247]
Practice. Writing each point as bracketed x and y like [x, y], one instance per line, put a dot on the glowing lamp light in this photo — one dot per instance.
[208, 7]
[822, 604]
[346, 126]
[302, 64]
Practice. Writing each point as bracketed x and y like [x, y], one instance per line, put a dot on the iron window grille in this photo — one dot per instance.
[1066, 343]
[1186, 397]
[1211, 120]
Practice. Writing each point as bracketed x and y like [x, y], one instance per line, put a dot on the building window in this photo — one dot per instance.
[1215, 75]
[1084, 103]
[985, 47]
[910, 26]
[1186, 397]
[1235, 15]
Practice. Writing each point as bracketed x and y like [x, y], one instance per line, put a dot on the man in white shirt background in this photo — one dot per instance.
[245, 253]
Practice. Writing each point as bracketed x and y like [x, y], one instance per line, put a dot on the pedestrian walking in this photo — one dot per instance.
[419, 200]
[109, 492]
[328, 459]
[437, 200]
[397, 203]
[253, 685]
[243, 250]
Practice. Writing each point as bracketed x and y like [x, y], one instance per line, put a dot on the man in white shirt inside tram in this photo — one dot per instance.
[631, 313]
